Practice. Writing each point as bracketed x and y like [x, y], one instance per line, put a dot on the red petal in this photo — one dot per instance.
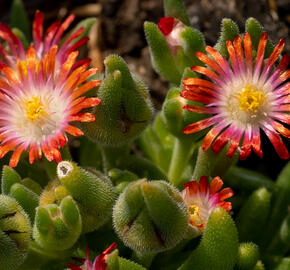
[192, 187]
[73, 131]
[191, 82]
[199, 109]
[248, 51]
[203, 184]
[82, 117]
[200, 125]
[190, 95]
[256, 143]
[211, 135]
[166, 25]
[85, 88]
[215, 185]
[16, 156]
[205, 59]
[37, 27]
[225, 194]
[73, 267]
[225, 205]
[277, 143]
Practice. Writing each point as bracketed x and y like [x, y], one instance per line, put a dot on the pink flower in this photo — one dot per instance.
[99, 262]
[42, 42]
[171, 29]
[202, 198]
[38, 103]
[243, 97]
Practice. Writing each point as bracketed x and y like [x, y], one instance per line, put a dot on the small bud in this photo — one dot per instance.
[125, 109]
[57, 227]
[150, 216]
[94, 194]
[15, 234]
[248, 256]
[9, 177]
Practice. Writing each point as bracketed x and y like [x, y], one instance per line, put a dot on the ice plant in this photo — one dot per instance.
[202, 198]
[38, 102]
[42, 43]
[246, 96]
[99, 262]
[171, 28]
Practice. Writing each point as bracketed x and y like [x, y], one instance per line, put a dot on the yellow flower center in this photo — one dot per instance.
[194, 215]
[251, 99]
[34, 109]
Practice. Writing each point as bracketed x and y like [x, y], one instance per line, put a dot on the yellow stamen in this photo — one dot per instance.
[194, 215]
[251, 99]
[34, 108]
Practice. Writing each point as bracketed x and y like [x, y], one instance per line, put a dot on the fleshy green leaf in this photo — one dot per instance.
[176, 9]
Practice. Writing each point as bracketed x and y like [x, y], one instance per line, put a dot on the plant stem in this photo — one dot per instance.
[182, 152]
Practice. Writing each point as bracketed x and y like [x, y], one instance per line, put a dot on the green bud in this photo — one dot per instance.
[229, 30]
[176, 9]
[253, 216]
[121, 179]
[15, 233]
[150, 216]
[86, 24]
[32, 185]
[255, 29]
[94, 195]
[280, 202]
[19, 18]
[218, 248]
[9, 178]
[161, 56]
[57, 227]
[176, 118]
[125, 109]
[259, 266]
[26, 198]
[248, 256]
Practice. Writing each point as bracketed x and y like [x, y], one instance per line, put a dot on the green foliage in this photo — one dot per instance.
[125, 109]
[9, 178]
[150, 216]
[57, 227]
[176, 9]
[129, 265]
[248, 256]
[94, 194]
[218, 249]
[15, 234]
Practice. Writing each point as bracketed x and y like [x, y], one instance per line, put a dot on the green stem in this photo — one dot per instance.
[182, 152]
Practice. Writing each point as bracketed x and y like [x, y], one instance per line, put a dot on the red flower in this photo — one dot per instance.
[201, 198]
[99, 262]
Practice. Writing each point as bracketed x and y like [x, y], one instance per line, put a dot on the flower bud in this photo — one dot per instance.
[125, 109]
[248, 256]
[57, 227]
[15, 233]
[150, 216]
[176, 119]
[9, 177]
[94, 194]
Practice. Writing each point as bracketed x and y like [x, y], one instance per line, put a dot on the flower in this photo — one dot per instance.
[38, 102]
[42, 43]
[202, 198]
[99, 262]
[171, 28]
[244, 97]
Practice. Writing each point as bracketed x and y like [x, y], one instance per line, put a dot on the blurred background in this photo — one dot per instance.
[119, 30]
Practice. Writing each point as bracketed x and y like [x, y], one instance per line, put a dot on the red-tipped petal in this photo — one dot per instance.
[16, 156]
[203, 184]
[215, 185]
[200, 125]
[73, 131]
[225, 194]
[166, 25]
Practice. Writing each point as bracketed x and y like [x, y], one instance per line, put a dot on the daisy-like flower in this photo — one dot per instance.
[202, 198]
[38, 102]
[42, 42]
[244, 97]
[171, 28]
[99, 262]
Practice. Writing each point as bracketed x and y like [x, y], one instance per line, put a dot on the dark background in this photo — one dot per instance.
[119, 30]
